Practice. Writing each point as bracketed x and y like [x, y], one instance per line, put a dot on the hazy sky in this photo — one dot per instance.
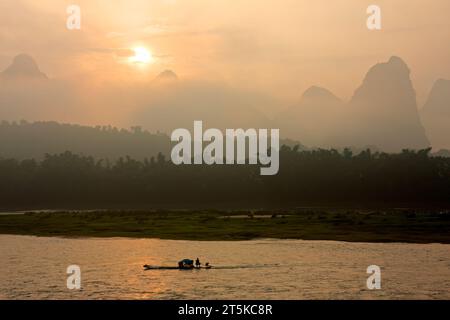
[279, 47]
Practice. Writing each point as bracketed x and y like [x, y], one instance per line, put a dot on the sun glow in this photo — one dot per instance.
[141, 55]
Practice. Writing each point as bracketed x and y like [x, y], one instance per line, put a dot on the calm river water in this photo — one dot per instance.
[35, 268]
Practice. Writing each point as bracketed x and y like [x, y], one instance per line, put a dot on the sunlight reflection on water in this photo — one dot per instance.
[34, 268]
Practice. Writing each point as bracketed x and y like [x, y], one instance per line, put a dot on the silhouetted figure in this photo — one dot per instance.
[197, 263]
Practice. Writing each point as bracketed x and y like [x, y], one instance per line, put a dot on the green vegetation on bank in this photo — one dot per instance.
[413, 226]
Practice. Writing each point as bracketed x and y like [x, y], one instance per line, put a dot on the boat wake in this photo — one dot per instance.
[249, 266]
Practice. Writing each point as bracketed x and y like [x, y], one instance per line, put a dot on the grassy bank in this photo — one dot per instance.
[413, 226]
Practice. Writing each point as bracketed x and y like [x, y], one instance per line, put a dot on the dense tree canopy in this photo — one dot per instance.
[305, 177]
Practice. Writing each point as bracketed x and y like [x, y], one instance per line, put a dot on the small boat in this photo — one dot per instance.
[185, 264]
[148, 267]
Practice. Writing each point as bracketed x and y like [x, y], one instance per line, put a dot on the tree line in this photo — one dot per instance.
[319, 177]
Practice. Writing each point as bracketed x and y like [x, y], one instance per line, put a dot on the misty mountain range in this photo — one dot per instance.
[382, 114]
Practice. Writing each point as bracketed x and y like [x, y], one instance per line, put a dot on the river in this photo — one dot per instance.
[111, 268]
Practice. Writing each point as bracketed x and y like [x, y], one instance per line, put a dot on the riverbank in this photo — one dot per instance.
[395, 225]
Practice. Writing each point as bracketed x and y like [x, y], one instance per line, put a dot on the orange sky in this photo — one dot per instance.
[280, 47]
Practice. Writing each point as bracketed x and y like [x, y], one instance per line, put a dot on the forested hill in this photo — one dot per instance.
[33, 140]
[26, 140]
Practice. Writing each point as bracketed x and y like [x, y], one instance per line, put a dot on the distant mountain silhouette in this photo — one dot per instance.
[167, 75]
[23, 66]
[436, 114]
[27, 93]
[316, 92]
[382, 113]
[313, 121]
[386, 110]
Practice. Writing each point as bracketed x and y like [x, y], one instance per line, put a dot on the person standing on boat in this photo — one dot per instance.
[197, 263]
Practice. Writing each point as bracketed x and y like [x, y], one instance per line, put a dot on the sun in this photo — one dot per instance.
[141, 55]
